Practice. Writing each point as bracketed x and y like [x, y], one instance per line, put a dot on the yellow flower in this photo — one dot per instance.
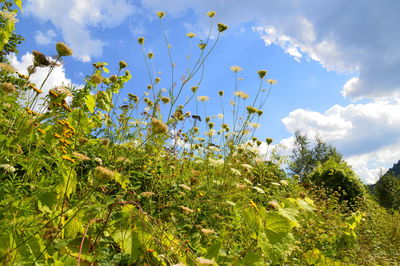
[202, 45]
[67, 158]
[251, 109]
[211, 13]
[191, 34]
[150, 55]
[165, 99]
[241, 94]
[236, 69]
[253, 204]
[272, 81]
[203, 98]
[222, 27]
[194, 89]
[262, 73]
[160, 14]
[157, 80]
[122, 64]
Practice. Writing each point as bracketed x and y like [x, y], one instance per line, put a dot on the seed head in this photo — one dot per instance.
[222, 27]
[40, 59]
[272, 81]
[63, 49]
[141, 40]
[7, 68]
[8, 87]
[150, 55]
[251, 109]
[122, 64]
[262, 73]
[96, 78]
[158, 127]
[103, 173]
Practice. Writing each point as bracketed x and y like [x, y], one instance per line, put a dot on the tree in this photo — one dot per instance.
[387, 191]
[306, 159]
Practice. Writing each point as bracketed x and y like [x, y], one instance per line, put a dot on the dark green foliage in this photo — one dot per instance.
[387, 191]
[339, 177]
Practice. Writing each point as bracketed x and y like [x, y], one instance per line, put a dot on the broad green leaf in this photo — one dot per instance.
[135, 247]
[213, 250]
[252, 259]
[277, 223]
[19, 4]
[47, 201]
[123, 180]
[90, 102]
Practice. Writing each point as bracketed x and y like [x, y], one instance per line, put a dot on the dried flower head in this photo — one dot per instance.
[262, 73]
[96, 78]
[222, 27]
[7, 68]
[141, 40]
[157, 80]
[63, 49]
[122, 64]
[186, 209]
[104, 173]
[207, 231]
[191, 34]
[113, 78]
[147, 194]
[40, 59]
[158, 127]
[61, 90]
[236, 69]
[80, 156]
[8, 87]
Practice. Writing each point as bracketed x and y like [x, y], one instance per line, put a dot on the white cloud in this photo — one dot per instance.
[57, 77]
[367, 134]
[45, 38]
[360, 37]
[74, 17]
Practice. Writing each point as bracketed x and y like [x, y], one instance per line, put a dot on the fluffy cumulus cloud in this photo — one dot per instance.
[75, 17]
[367, 134]
[359, 37]
[57, 77]
[45, 38]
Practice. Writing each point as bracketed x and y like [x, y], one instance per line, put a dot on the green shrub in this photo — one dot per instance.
[340, 178]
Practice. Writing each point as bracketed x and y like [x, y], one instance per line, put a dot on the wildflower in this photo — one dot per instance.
[80, 156]
[230, 203]
[222, 27]
[251, 109]
[211, 13]
[236, 68]
[147, 194]
[158, 127]
[221, 93]
[62, 90]
[210, 125]
[141, 40]
[259, 190]
[186, 209]
[262, 73]
[268, 140]
[40, 59]
[96, 78]
[284, 182]
[22, 76]
[220, 116]
[190, 34]
[202, 45]
[165, 99]
[122, 64]
[207, 231]
[241, 94]
[275, 184]
[157, 80]
[67, 158]
[160, 14]
[63, 49]
[247, 166]
[98, 160]
[216, 163]
[235, 172]
[185, 187]
[203, 98]
[103, 173]
[53, 93]
[254, 125]
[272, 81]
[273, 205]
[203, 261]
[8, 168]
[210, 133]
[150, 55]
[8, 68]
[253, 204]
[259, 112]
[241, 186]
[41, 131]
[8, 87]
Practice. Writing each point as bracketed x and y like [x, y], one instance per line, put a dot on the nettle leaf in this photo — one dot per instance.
[47, 201]
[276, 249]
[90, 101]
[277, 223]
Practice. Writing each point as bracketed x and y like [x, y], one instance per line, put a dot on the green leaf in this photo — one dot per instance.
[213, 250]
[135, 246]
[19, 4]
[90, 102]
[252, 259]
[47, 201]
[277, 223]
[123, 180]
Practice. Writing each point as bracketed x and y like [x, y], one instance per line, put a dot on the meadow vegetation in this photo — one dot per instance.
[89, 178]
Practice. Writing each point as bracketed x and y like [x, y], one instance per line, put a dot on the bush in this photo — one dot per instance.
[340, 178]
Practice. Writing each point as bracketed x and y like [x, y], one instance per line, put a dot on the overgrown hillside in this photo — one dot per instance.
[89, 179]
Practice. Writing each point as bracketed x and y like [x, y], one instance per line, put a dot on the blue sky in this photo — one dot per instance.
[337, 63]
